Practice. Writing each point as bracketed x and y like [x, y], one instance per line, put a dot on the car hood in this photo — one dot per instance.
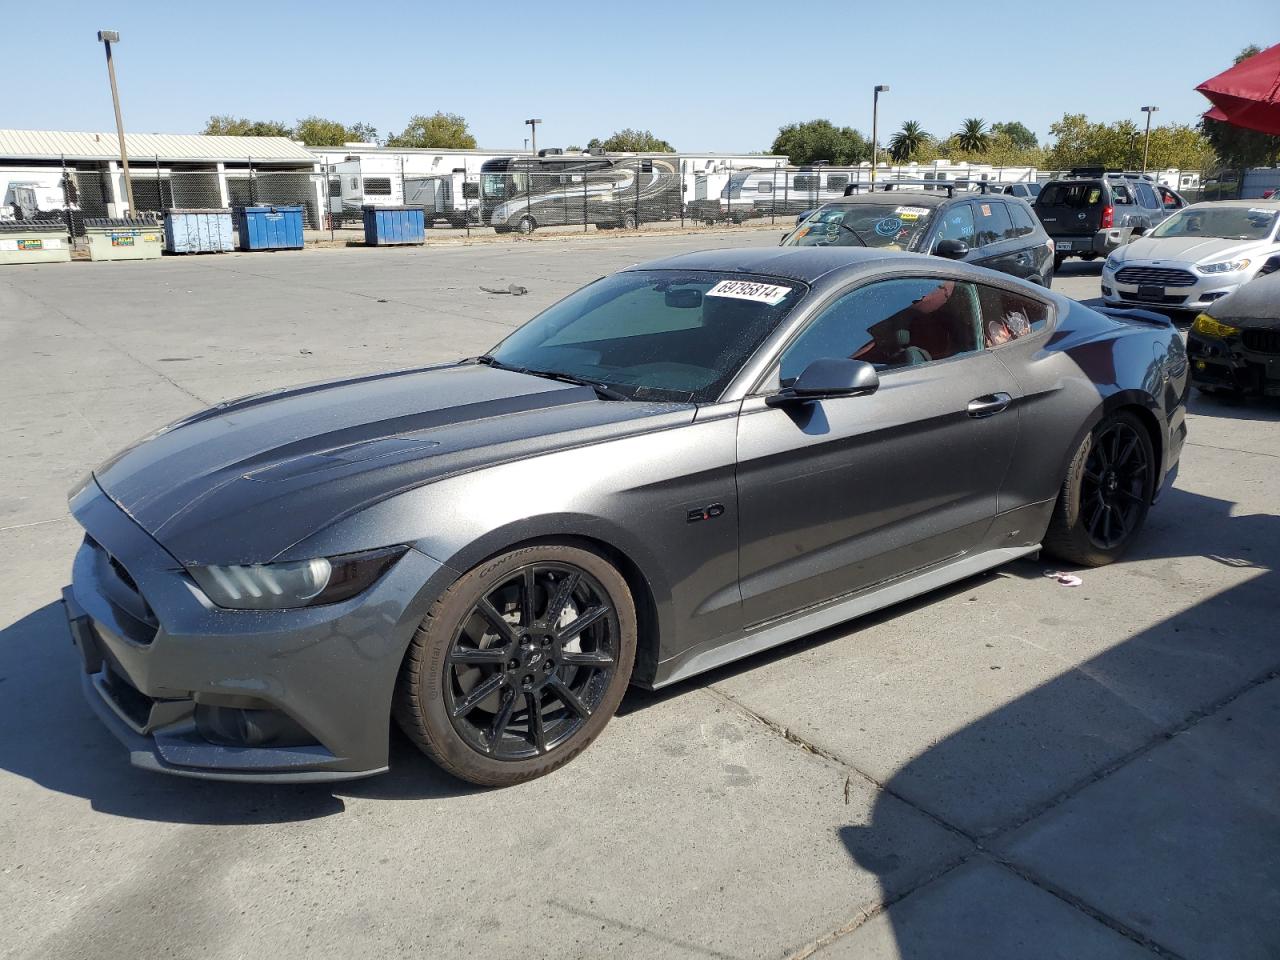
[1255, 306]
[1185, 249]
[246, 480]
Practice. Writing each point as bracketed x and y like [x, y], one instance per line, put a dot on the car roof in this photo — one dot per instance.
[917, 195]
[1257, 204]
[805, 264]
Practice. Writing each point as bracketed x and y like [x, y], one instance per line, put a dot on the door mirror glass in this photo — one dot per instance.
[952, 249]
[829, 377]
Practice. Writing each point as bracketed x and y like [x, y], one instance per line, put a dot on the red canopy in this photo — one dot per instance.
[1248, 95]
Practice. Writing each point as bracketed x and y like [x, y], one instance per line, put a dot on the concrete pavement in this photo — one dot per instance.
[1009, 768]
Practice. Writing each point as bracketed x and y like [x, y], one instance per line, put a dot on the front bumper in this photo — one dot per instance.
[1227, 364]
[1198, 295]
[195, 690]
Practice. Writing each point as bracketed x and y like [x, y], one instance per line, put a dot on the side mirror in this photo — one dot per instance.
[828, 377]
[952, 249]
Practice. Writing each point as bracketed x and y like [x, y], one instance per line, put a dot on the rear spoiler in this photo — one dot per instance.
[1131, 313]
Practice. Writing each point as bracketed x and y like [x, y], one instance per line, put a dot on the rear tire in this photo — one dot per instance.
[1058, 260]
[629, 222]
[545, 690]
[526, 225]
[1104, 499]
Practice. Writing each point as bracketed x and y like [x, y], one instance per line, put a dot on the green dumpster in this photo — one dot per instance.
[124, 238]
[34, 241]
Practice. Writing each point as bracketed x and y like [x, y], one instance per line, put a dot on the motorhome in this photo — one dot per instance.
[555, 188]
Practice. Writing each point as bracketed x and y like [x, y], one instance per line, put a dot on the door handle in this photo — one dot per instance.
[989, 405]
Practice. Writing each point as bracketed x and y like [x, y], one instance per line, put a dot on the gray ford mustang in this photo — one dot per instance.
[674, 467]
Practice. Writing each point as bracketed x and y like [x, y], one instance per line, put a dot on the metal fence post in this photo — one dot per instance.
[252, 198]
[584, 199]
[639, 169]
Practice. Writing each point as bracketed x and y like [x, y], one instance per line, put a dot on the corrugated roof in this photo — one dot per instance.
[52, 144]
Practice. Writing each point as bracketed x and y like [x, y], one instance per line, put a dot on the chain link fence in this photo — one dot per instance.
[562, 193]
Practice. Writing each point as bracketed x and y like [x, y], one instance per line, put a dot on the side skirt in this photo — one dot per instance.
[707, 657]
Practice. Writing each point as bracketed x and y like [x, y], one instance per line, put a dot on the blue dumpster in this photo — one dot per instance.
[269, 228]
[384, 226]
[198, 231]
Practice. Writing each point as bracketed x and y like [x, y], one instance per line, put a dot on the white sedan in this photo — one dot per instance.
[1199, 255]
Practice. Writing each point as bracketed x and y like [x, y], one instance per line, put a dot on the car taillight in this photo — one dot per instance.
[1108, 216]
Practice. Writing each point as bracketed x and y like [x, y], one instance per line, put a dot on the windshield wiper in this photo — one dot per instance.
[603, 390]
[844, 226]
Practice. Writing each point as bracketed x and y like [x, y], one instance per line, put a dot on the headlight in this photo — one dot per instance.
[1223, 266]
[297, 583]
[1210, 327]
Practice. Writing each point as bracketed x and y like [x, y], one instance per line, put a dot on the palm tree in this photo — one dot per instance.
[972, 136]
[908, 141]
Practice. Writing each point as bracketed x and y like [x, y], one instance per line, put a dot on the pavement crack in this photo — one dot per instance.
[1214, 446]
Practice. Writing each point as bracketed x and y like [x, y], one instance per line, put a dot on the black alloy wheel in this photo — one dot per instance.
[1117, 476]
[531, 661]
[1104, 499]
[519, 665]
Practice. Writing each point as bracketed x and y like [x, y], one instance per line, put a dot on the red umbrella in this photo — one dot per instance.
[1248, 95]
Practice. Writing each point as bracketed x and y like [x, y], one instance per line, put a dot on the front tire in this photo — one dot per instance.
[526, 225]
[519, 665]
[1104, 500]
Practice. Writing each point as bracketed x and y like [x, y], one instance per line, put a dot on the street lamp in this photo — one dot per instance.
[1146, 150]
[875, 127]
[107, 38]
[533, 133]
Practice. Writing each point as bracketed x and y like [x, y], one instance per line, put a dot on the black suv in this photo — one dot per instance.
[990, 230]
[1093, 211]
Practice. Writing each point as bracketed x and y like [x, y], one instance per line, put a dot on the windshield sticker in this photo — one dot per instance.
[747, 290]
[911, 213]
[888, 227]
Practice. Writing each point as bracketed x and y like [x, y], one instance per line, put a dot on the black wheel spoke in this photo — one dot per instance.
[568, 697]
[527, 598]
[500, 721]
[1106, 524]
[479, 692]
[536, 728]
[1130, 495]
[586, 658]
[594, 615]
[564, 590]
[1127, 453]
[1096, 516]
[1092, 476]
[496, 620]
[491, 656]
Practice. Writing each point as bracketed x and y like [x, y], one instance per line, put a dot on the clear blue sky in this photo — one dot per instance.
[705, 76]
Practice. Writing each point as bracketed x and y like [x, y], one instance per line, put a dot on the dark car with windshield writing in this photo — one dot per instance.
[994, 231]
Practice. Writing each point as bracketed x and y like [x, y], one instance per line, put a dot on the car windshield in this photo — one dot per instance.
[654, 334]
[1228, 223]
[889, 225]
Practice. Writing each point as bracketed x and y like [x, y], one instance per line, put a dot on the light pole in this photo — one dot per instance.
[1146, 150]
[108, 37]
[875, 129]
[533, 133]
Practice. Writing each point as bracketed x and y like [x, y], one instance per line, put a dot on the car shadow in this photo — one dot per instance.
[1024, 758]
[1080, 268]
[1261, 409]
[52, 738]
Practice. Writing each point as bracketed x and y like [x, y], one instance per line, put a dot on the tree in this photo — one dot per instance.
[1237, 147]
[909, 141]
[972, 137]
[443, 130]
[1082, 143]
[815, 140]
[1019, 135]
[225, 125]
[632, 141]
[318, 132]
[362, 133]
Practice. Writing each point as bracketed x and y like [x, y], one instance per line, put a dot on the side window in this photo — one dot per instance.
[1120, 194]
[891, 323]
[1147, 197]
[837, 181]
[1023, 224]
[764, 186]
[1007, 316]
[957, 224]
[992, 222]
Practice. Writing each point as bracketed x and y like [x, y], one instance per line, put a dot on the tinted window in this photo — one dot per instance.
[1147, 197]
[1085, 194]
[655, 334]
[957, 224]
[992, 222]
[1023, 222]
[892, 323]
[1007, 316]
[1120, 194]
